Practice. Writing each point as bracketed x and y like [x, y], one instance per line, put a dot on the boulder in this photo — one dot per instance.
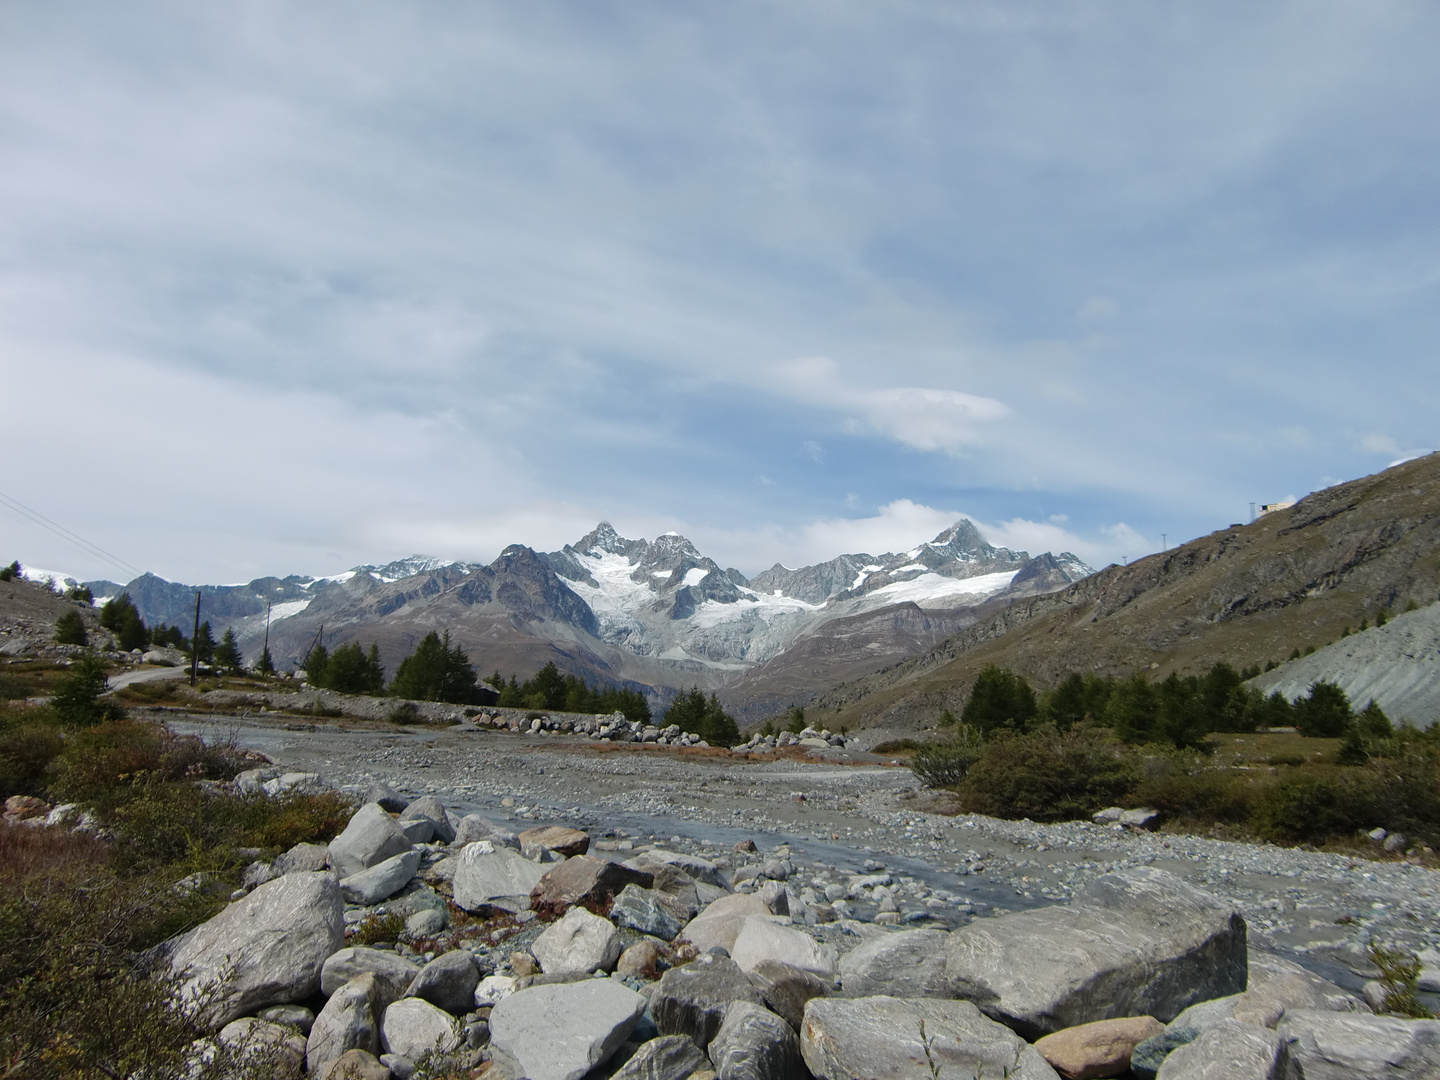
[560, 839]
[492, 989]
[691, 1000]
[427, 922]
[448, 981]
[583, 881]
[356, 1065]
[371, 837]
[642, 909]
[260, 1043]
[639, 961]
[347, 1022]
[754, 1044]
[720, 923]
[912, 1039]
[412, 1028]
[1140, 819]
[382, 880]
[1276, 986]
[295, 1016]
[1099, 1049]
[420, 830]
[670, 1057]
[1228, 1051]
[765, 939]
[908, 963]
[487, 876]
[432, 810]
[1145, 1062]
[265, 949]
[787, 989]
[301, 858]
[691, 865]
[392, 973]
[382, 793]
[561, 1032]
[578, 942]
[1140, 942]
[473, 827]
[1324, 1045]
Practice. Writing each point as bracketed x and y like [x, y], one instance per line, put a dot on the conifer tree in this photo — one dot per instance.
[70, 629]
[204, 644]
[435, 671]
[265, 665]
[227, 653]
[121, 618]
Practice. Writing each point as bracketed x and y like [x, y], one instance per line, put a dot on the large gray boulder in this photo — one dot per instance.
[448, 981]
[765, 939]
[300, 858]
[691, 1000]
[260, 1044]
[487, 876]
[670, 1057]
[720, 923]
[755, 1044]
[910, 963]
[412, 1028]
[473, 827]
[786, 989]
[578, 943]
[693, 866]
[1228, 1051]
[381, 881]
[1324, 1045]
[266, 949]
[585, 881]
[392, 973]
[433, 810]
[347, 1022]
[562, 1031]
[1140, 942]
[370, 837]
[1277, 986]
[888, 1038]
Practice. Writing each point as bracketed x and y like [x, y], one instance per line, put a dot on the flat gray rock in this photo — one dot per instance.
[786, 989]
[371, 837]
[909, 963]
[1324, 1045]
[561, 1032]
[670, 1057]
[765, 939]
[1140, 942]
[721, 921]
[1277, 986]
[487, 876]
[301, 858]
[266, 949]
[691, 865]
[381, 881]
[392, 973]
[755, 1044]
[448, 982]
[642, 910]
[473, 827]
[579, 942]
[691, 1000]
[887, 1038]
[1228, 1051]
[347, 1022]
[412, 1028]
[259, 1043]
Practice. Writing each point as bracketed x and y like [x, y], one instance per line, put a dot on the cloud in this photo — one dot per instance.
[1377, 442]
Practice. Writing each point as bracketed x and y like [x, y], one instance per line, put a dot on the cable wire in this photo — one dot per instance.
[65, 534]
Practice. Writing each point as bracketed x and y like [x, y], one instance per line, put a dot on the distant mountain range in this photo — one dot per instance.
[653, 614]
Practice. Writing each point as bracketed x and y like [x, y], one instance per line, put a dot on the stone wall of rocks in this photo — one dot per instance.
[533, 955]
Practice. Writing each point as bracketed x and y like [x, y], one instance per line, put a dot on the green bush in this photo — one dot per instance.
[1184, 788]
[944, 763]
[1045, 775]
[70, 629]
[1324, 712]
[26, 751]
[999, 699]
[77, 697]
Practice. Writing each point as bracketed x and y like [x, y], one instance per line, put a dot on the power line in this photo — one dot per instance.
[65, 534]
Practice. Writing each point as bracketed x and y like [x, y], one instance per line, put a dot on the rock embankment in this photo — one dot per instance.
[554, 956]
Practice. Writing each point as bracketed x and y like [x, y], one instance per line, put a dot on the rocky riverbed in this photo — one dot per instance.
[862, 848]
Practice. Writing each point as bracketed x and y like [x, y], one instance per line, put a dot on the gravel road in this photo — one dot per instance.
[856, 835]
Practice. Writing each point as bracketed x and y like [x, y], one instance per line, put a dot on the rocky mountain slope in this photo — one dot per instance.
[1246, 594]
[656, 614]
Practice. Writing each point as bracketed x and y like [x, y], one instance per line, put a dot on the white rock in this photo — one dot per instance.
[371, 837]
[266, 949]
[492, 989]
[578, 942]
[765, 939]
[382, 880]
[347, 1022]
[412, 1028]
[1229, 1050]
[487, 876]
[720, 923]
[561, 1032]
[262, 1043]
[910, 963]
[1324, 1045]
[393, 973]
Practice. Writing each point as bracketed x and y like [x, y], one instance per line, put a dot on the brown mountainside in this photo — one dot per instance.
[1245, 595]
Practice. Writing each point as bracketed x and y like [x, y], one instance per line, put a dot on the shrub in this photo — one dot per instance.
[1324, 712]
[11, 572]
[999, 699]
[941, 764]
[77, 697]
[1182, 786]
[1047, 776]
[26, 752]
[378, 928]
[70, 629]
[1400, 977]
[407, 712]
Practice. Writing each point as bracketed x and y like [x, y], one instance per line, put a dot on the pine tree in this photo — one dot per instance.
[227, 653]
[436, 671]
[1324, 712]
[70, 629]
[999, 699]
[316, 663]
[204, 644]
[349, 670]
[121, 618]
[77, 697]
[265, 665]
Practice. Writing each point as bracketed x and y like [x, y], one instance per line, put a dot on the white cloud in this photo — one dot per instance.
[1377, 442]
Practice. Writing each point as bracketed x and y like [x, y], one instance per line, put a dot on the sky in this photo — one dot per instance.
[287, 288]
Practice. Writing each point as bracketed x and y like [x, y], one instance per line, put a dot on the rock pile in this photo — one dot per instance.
[809, 737]
[546, 961]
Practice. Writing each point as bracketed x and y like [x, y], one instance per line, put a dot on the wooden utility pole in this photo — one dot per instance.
[195, 641]
[267, 628]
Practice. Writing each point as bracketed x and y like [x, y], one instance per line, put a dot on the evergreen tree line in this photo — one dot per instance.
[120, 616]
[548, 689]
[1180, 710]
[702, 716]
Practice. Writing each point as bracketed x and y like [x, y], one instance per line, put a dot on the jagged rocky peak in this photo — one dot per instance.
[602, 538]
